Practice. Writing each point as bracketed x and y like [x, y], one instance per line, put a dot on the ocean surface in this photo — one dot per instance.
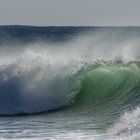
[69, 83]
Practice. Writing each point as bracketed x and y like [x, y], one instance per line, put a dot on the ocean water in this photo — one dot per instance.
[63, 83]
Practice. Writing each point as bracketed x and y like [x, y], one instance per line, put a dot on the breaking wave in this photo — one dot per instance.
[96, 70]
[97, 73]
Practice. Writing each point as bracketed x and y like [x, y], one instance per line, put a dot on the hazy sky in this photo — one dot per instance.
[70, 12]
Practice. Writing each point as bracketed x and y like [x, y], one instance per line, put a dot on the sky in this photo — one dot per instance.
[70, 12]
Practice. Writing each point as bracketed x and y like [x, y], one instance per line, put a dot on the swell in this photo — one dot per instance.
[108, 86]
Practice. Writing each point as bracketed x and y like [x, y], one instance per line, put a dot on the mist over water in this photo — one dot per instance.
[87, 77]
